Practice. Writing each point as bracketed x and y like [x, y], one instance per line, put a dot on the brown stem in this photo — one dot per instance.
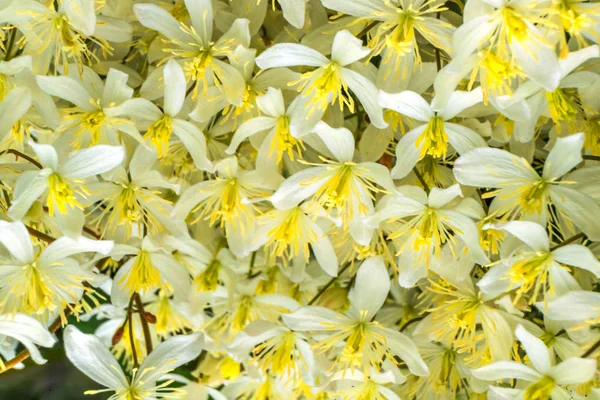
[420, 178]
[24, 355]
[11, 43]
[129, 320]
[590, 157]
[140, 307]
[409, 323]
[367, 29]
[328, 284]
[18, 154]
[40, 235]
[591, 350]
[570, 240]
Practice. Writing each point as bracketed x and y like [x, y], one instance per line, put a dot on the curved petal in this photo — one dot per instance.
[536, 350]
[532, 234]
[312, 318]
[371, 288]
[463, 139]
[347, 48]
[290, 55]
[367, 94]
[574, 371]
[407, 103]
[578, 256]
[92, 161]
[564, 156]
[175, 86]
[407, 153]
[194, 141]
[506, 370]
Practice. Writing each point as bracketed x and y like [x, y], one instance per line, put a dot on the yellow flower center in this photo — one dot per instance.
[168, 318]
[142, 275]
[325, 86]
[93, 122]
[61, 195]
[531, 197]
[496, 74]
[532, 272]
[540, 390]
[283, 142]
[159, 134]
[291, 237]
[433, 139]
[229, 368]
[208, 280]
[277, 354]
[562, 105]
[592, 136]
[513, 24]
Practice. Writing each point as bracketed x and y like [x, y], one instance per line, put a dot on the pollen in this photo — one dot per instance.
[433, 139]
[142, 275]
[159, 134]
[325, 86]
[563, 107]
[540, 390]
[283, 142]
[62, 195]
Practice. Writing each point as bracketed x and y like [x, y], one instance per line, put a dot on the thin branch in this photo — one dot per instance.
[328, 284]
[145, 326]
[590, 157]
[367, 28]
[420, 178]
[11, 43]
[409, 323]
[570, 240]
[18, 154]
[129, 320]
[591, 350]
[39, 235]
[252, 261]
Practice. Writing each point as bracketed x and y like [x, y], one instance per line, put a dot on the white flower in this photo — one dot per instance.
[366, 342]
[88, 354]
[162, 123]
[27, 331]
[332, 80]
[61, 180]
[543, 379]
[523, 192]
[45, 282]
[432, 137]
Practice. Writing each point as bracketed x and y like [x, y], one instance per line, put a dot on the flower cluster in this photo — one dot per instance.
[304, 199]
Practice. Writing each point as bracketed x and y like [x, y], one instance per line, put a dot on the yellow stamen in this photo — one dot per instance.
[540, 390]
[142, 275]
[325, 86]
[433, 139]
[159, 134]
[62, 195]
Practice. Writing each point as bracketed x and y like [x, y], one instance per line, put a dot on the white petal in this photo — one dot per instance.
[28, 331]
[65, 246]
[407, 103]
[293, 12]
[116, 90]
[356, 8]
[578, 207]
[324, 252]
[573, 306]
[300, 186]
[469, 36]
[194, 141]
[564, 156]
[92, 358]
[463, 139]
[13, 107]
[233, 82]
[460, 101]
[506, 370]
[575, 58]
[541, 67]
[136, 108]
[532, 234]
[15, 238]
[158, 19]
[339, 141]
[367, 94]
[190, 198]
[81, 14]
[68, 89]
[271, 103]
[487, 167]
[175, 86]
[536, 350]
[37, 187]
[371, 288]
[312, 319]
[578, 256]
[290, 55]
[92, 161]
[407, 153]
[347, 48]
[406, 349]
[574, 371]
[201, 14]
[249, 128]
[46, 154]
[438, 198]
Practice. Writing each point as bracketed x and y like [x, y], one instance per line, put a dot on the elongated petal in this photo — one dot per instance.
[356, 8]
[12, 108]
[339, 141]
[81, 14]
[201, 14]
[175, 85]
[460, 101]
[15, 238]
[407, 103]
[46, 154]
[312, 319]
[92, 358]
[406, 349]
[506, 370]
[65, 247]
[300, 186]
[532, 234]
[463, 139]
[92, 161]
[290, 55]
[577, 207]
[272, 103]
[574, 371]
[68, 89]
[495, 168]
[540, 65]
[407, 153]
[371, 288]
[578, 256]
[158, 19]
[29, 331]
[347, 48]
[37, 186]
[249, 128]
[194, 141]
[536, 350]
[564, 156]
[294, 12]
[367, 94]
